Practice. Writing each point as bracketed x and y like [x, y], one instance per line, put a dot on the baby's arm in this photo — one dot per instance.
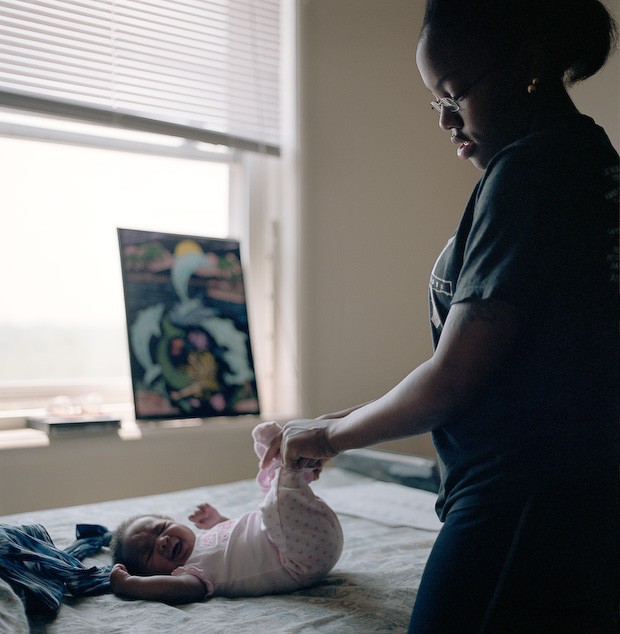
[205, 516]
[165, 588]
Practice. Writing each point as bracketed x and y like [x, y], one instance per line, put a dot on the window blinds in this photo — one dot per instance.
[201, 69]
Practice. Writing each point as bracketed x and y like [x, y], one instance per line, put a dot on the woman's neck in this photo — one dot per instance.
[553, 104]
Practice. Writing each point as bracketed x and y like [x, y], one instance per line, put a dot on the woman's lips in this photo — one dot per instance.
[465, 147]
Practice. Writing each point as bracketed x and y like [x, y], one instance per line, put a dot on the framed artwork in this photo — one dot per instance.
[187, 326]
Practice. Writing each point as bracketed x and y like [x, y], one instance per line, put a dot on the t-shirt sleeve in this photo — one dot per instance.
[506, 248]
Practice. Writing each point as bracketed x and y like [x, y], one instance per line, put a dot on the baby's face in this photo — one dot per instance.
[155, 545]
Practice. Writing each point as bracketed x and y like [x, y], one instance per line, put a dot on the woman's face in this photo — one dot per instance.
[494, 109]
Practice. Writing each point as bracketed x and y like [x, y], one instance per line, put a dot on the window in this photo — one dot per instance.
[184, 91]
[62, 204]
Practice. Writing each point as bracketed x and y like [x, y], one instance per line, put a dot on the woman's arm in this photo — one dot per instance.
[342, 413]
[165, 588]
[474, 342]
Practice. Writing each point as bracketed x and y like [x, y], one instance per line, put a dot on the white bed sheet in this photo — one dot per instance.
[371, 589]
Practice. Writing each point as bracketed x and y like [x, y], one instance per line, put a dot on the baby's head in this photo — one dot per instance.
[152, 544]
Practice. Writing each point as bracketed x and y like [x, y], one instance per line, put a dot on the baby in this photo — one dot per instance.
[292, 541]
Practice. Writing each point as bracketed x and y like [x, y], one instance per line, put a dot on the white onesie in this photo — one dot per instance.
[292, 541]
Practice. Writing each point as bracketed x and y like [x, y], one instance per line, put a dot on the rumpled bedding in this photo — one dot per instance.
[371, 589]
[41, 574]
[13, 618]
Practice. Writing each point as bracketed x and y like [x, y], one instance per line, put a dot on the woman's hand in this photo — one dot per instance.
[302, 443]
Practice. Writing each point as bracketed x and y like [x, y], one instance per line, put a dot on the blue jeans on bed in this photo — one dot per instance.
[547, 563]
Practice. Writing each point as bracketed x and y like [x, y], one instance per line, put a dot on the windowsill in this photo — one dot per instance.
[26, 437]
[18, 434]
[142, 458]
[130, 429]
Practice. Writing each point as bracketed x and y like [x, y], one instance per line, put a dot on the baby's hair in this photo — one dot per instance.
[117, 543]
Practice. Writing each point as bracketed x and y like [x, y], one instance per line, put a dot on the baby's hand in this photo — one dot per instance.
[118, 578]
[205, 516]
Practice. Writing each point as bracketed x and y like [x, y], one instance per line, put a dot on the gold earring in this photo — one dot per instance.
[533, 87]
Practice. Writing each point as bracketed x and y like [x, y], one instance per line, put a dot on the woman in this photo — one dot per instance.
[521, 393]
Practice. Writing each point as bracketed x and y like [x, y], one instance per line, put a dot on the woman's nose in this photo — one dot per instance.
[449, 120]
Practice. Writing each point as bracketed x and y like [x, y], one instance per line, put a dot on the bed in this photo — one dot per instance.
[389, 529]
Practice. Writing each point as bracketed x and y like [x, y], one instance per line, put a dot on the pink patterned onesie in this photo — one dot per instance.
[292, 541]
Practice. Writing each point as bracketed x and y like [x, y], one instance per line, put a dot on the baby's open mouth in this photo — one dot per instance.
[176, 549]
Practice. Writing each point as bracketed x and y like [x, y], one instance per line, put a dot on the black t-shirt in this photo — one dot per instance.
[540, 232]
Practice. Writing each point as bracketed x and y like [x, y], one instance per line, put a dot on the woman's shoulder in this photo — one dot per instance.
[560, 157]
[568, 141]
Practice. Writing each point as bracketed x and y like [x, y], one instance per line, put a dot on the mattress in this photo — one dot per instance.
[388, 528]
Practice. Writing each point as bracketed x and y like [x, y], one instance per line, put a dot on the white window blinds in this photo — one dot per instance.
[201, 69]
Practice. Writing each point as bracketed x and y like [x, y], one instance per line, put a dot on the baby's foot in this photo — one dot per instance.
[263, 434]
[205, 516]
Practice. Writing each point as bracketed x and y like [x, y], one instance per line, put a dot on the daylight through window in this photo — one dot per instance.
[63, 312]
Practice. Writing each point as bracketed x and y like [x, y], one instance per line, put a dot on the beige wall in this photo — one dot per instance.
[83, 469]
[381, 191]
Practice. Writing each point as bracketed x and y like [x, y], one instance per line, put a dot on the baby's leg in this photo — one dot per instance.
[305, 530]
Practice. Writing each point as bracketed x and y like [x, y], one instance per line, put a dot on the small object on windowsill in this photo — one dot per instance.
[78, 425]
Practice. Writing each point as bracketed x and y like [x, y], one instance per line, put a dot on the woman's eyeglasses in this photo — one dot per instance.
[451, 104]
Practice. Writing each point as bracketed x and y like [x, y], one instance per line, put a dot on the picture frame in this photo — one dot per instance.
[187, 326]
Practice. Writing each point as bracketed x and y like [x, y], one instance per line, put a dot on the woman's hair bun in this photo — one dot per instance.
[576, 36]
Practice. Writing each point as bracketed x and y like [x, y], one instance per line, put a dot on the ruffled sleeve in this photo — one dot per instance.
[197, 572]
